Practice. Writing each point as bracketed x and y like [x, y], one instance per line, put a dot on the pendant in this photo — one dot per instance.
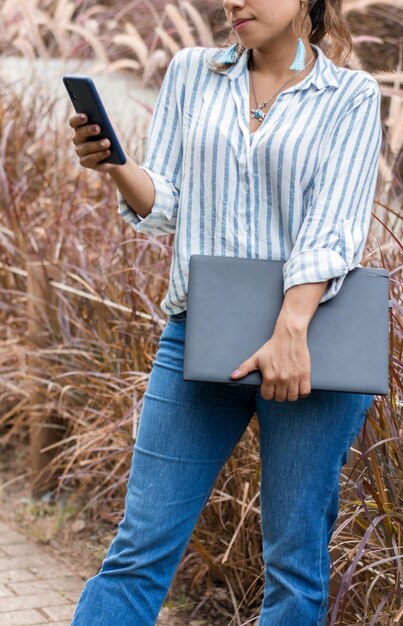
[258, 114]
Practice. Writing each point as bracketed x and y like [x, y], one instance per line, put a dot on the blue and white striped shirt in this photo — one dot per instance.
[299, 189]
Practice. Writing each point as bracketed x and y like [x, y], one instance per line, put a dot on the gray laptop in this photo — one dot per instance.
[233, 304]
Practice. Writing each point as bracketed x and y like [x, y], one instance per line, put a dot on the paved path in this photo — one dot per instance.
[36, 588]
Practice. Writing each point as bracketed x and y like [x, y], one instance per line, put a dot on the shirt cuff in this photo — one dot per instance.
[126, 211]
[316, 266]
[162, 218]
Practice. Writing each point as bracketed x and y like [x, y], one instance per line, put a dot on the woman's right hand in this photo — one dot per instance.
[91, 152]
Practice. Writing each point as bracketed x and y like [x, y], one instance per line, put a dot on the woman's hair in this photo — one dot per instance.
[327, 20]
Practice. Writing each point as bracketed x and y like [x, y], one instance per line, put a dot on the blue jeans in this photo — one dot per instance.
[187, 431]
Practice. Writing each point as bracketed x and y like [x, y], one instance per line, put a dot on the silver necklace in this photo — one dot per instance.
[258, 113]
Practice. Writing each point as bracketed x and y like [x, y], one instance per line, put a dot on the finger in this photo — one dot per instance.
[105, 167]
[93, 159]
[245, 367]
[305, 388]
[280, 393]
[91, 147]
[267, 390]
[293, 392]
[82, 133]
[75, 120]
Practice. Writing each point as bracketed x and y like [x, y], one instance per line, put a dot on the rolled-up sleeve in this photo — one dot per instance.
[335, 225]
[163, 158]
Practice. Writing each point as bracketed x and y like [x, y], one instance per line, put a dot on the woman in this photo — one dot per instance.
[271, 154]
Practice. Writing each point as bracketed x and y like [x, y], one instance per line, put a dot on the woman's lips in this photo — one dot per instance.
[242, 24]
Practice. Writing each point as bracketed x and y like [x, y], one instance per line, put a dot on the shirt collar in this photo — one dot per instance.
[323, 73]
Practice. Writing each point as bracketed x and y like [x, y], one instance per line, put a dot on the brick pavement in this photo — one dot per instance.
[34, 587]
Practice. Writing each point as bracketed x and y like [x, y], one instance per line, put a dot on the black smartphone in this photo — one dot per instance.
[85, 98]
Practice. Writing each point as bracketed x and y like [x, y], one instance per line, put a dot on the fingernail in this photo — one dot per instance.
[235, 372]
[83, 118]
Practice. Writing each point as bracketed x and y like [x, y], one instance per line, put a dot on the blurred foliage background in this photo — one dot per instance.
[80, 317]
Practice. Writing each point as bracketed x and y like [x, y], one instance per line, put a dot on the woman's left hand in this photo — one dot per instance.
[285, 364]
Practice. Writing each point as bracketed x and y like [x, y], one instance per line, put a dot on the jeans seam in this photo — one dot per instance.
[323, 520]
[321, 552]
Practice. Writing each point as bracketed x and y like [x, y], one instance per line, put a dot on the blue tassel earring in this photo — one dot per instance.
[229, 56]
[299, 59]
